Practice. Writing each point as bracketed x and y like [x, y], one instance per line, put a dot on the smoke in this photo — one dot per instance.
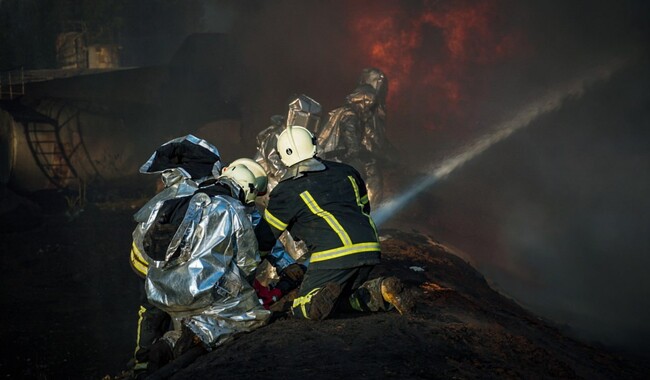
[437, 56]
[544, 212]
[578, 219]
[550, 102]
[548, 212]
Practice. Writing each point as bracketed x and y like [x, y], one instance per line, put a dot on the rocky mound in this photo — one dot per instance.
[71, 304]
[462, 329]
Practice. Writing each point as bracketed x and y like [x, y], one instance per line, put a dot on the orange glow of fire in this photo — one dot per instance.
[433, 49]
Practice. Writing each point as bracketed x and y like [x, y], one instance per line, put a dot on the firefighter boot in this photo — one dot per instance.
[393, 292]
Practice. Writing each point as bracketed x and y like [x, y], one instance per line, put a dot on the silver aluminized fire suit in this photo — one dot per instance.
[204, 280]
[354, 134]
[182, 163]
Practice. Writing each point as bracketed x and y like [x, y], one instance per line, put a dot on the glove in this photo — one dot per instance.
[294, 272]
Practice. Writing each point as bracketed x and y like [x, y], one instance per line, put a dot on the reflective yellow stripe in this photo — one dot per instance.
[140, 317]
[275, 222]
[137, 261]
[355, 304]
[356, 192]
[141, 366]
[361, 202]
[329, 218]
[344, 251]
[304, 300]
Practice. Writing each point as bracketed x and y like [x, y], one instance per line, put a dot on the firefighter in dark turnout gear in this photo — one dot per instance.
[325, 204]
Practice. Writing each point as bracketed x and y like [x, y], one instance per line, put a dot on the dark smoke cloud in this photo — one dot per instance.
[557, 215]
[566, 201]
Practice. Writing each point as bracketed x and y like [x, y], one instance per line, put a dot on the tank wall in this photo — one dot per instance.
[103, 146]
[99, 147]
[7, 147]
[25, 174]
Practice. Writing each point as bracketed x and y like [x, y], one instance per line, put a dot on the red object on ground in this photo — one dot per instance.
[266, 294]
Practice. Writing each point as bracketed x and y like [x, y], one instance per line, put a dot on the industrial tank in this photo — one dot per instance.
[70, 146]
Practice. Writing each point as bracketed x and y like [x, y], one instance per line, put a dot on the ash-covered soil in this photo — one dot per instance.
[462, 330]
[69, 301]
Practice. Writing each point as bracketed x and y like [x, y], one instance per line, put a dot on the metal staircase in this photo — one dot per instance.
[53, 141]
[52, 155]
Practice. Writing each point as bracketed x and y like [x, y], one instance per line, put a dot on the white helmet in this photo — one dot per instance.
[244, 178]
[261, 179]
[295, 144]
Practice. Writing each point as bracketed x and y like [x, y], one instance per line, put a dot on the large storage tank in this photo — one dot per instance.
[78, 146]
[7, 147]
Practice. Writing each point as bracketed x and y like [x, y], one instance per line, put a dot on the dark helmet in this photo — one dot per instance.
[378, 80]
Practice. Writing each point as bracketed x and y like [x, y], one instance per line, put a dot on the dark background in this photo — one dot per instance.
[556, 216]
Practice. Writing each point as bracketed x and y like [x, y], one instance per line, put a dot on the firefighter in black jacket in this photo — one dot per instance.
[325, 204]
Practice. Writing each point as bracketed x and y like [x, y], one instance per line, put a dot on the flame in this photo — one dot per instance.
[433, 50]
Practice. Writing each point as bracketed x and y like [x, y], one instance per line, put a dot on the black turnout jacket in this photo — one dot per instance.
[325, 205]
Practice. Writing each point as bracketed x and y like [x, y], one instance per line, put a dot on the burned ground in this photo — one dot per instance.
[70, 308]
[462, 329]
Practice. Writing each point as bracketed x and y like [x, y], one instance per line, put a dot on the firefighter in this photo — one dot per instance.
[303, 111]
[182, 163]
[325, 204]
[354, 134]
[203, 276]
[289, 272]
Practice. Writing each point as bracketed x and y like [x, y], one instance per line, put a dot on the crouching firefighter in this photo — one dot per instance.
[289, 272]
[203, 278]
[182, 164]
[325, 204]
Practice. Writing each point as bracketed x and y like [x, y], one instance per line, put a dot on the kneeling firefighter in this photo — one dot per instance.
[325, 204]
[182, 163]
[289, 272]
[203, 276]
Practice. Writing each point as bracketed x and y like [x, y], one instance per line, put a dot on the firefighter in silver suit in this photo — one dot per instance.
[355, 132]
[303, 111]
[203, 275]
[374, 134]
[185, 164]
[182, 163]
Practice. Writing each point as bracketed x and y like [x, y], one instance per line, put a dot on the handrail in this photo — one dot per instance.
[9, 89]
